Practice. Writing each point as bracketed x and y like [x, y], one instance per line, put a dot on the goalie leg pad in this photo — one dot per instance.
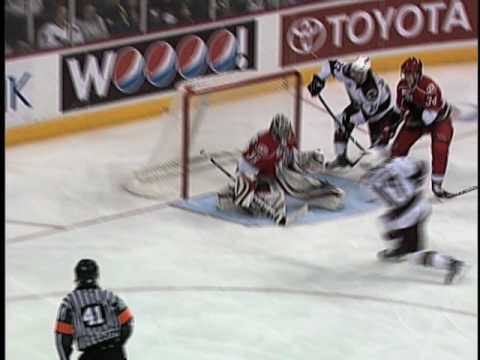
[310, 162]
[244, 192]
[225, 198]
[270, 203]
[304, 186]
[259, 199]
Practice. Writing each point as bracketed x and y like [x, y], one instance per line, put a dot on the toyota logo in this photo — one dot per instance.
[306, 35]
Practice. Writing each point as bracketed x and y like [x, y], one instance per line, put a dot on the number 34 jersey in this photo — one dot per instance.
[92, 315]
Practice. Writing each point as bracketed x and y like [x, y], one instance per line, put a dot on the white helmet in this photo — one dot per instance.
[359, 68]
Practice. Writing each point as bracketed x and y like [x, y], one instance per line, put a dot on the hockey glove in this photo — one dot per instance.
[387, 134]
[316, 85]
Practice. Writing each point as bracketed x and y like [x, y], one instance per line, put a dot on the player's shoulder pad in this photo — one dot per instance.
[427, 85]
[335, 66]
[332, 63]
[262, 135]
[378, 79]
[263, 139]
[402, 84]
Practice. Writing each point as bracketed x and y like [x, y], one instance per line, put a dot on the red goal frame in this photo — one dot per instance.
[190, 92]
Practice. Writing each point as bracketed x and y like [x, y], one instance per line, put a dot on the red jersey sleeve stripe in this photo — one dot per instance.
[124, 316]
[64, 328]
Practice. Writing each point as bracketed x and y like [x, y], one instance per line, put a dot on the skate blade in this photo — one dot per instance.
[461, 275]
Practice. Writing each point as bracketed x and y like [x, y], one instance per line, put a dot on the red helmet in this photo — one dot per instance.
[412, 66]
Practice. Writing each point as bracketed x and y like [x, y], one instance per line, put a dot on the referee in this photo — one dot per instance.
[96, 319]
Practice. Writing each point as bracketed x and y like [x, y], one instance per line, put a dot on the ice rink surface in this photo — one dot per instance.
[201, 288]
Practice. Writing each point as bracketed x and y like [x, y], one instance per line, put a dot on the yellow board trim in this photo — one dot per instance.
[85, 121]
[140, 110]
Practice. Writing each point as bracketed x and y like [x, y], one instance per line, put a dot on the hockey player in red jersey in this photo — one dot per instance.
[424, 111]
[272, 166]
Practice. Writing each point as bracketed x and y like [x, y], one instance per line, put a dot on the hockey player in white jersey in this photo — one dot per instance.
[398, 182]
[370, 102]
[272, 166]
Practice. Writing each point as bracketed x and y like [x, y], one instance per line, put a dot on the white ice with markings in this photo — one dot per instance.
[201, 288]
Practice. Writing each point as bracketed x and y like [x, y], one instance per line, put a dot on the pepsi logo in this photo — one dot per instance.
[128, 72]
[222, 52]
[160, 69]
[191, 52]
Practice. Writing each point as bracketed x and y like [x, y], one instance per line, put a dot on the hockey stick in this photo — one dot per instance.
[218, 165]
[462, 192]
[350, 137]
[325, 105]
[290, 219]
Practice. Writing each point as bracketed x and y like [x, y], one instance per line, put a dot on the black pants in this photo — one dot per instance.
[411, 239]
[375, 129]
[102, 353]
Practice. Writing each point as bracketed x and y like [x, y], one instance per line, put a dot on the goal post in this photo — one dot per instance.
[220, 114]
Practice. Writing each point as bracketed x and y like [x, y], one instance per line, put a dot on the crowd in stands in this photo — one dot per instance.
[50, 24]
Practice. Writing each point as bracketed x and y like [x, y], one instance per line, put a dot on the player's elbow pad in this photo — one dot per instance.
[125, 331]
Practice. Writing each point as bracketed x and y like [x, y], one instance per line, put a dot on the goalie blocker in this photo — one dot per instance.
[272, 167]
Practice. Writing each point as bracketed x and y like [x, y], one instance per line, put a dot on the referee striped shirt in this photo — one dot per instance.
[91, 315]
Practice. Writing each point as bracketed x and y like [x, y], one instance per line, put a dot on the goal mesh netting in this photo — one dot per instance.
[218, 114]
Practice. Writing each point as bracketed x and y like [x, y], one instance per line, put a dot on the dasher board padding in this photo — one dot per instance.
[358, 200]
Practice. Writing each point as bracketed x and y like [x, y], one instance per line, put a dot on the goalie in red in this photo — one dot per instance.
[424, 111]
[272, 166]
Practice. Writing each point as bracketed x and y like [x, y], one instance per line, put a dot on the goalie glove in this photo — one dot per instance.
[316, 85]
[309, 161]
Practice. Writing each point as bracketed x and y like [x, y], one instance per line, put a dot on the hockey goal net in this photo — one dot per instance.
[218, 114]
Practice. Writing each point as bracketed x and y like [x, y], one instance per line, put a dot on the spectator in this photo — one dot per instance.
[92, 25]
[277, 4]
[255, 5]
[200, 10]
[55, 34]
[16, 14]
[121, 18]
[223, 8]
[185, 15]
[167, 13]
[19, 7]
[133, 10]
[226, 8]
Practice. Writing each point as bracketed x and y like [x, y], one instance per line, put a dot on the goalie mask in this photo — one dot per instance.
[360, 68]
[280, 127]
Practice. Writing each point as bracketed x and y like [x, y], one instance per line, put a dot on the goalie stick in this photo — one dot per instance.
[217, 165]
[290, 219]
